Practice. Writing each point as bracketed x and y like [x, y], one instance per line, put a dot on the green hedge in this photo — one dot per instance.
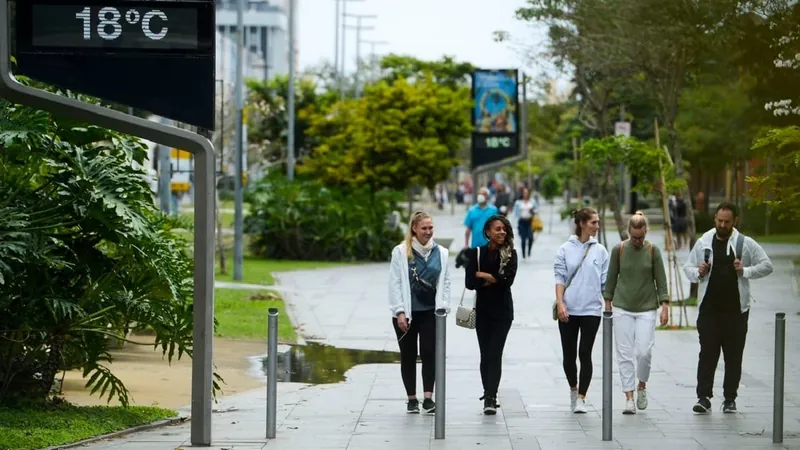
[304, 220]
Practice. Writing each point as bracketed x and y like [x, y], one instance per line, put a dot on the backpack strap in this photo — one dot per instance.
[619, 255]
[739, 246]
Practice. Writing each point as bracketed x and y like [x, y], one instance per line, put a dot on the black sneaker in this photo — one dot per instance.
[729, 407]
[702, 406]
[428, 406]
[489, 406]
[413, 407]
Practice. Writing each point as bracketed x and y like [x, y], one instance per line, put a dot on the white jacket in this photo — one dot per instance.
[400, 284]
[754, 259]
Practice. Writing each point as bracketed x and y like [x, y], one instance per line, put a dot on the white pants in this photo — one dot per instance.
[635, 335]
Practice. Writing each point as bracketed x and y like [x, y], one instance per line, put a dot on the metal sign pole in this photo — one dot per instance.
[272, 371]
[203, 150]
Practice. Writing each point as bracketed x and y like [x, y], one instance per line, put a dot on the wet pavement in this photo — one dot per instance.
[346, 307]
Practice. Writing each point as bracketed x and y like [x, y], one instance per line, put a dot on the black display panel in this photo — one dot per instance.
[495, 116]
[158, 56]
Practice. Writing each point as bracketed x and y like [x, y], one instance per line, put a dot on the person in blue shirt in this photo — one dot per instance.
[477, 215]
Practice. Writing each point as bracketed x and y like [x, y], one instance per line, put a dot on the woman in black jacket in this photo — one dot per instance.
[491, 276]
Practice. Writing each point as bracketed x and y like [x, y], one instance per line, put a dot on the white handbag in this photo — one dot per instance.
[465, 317]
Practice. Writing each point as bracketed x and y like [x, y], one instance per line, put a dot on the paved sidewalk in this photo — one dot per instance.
[346, 307]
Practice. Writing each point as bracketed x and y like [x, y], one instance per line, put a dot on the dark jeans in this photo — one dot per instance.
[725, 333]
[492, 334]
[572, 349]
[423, 326]
[526, 234]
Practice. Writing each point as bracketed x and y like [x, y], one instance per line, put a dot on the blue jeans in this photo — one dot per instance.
[526, 234]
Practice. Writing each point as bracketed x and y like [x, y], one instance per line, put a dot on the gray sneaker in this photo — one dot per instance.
[573, 400]
[641, 399]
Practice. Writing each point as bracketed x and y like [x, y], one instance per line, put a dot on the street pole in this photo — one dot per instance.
[290, 121]
[358, 28]
[238, 225]
[342, 60]
[336, 32]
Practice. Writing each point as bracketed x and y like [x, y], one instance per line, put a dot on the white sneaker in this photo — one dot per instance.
[580, 406]
[573, 399]
[630, 408]
[641, 399]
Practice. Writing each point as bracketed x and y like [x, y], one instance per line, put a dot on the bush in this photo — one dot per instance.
[304, 220]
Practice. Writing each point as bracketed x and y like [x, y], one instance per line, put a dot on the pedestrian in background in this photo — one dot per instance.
[525, 210]
[581, 267]
[419, 283]
[723, 262]
[476, 218]
[490, 272]
[636, 286]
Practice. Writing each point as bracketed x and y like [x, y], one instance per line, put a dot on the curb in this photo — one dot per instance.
[121, 433]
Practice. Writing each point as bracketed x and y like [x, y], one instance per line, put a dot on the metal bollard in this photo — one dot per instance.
[608, 347]
[777, 396]
[441, 355]
[272, 371]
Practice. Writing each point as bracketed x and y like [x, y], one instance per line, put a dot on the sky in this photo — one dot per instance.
[426, 29]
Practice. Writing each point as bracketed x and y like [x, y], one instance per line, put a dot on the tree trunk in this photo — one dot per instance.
[614, 202]
[223, 267]
[51, 366]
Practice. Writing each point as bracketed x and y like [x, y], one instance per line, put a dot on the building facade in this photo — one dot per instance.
[266, 39]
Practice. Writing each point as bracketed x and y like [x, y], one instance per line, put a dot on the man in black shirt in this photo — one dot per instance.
[723, 261]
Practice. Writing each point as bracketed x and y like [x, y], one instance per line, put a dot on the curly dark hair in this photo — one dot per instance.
[508, 246]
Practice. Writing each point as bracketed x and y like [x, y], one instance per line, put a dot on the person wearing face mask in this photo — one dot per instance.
[581, 268]
[476, 218]
[419, 283]
[490, 272]
[637, 284]
[723, 262]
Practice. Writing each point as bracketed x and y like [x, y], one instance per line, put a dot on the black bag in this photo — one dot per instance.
[424, 291]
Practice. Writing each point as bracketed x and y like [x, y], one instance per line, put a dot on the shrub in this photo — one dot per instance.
[304, 220]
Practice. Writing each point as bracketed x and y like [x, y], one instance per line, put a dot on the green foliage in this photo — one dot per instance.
[84, 255]
[268, 124]
[304, 220]
[552, 185]
[446, 71]
[781, 188]
[61, 423]
[397, 135]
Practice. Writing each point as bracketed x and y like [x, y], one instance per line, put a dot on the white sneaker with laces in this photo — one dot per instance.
[641, 399]
[573, 399]
[630, 408]
[580, 406]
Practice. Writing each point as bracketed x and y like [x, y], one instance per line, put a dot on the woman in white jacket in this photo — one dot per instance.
[419, 283]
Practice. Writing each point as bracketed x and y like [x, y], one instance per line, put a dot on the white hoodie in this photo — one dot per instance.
[754, 259]
[584, 296]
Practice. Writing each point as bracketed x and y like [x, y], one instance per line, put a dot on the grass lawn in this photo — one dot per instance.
[778, 239]
[226, 217]
[242, 314]
[259, 271]
[33, 428]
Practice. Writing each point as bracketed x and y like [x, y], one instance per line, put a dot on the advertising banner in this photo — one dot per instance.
[495, 116]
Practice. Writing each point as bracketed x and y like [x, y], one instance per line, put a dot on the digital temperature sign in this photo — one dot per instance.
[495, 116]
[109, 27]
[154, 55]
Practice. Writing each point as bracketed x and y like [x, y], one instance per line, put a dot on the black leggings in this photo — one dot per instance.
[492, 336]
[587, 326]
[423, 325]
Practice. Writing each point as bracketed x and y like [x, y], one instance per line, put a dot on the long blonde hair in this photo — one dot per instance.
[415, 219]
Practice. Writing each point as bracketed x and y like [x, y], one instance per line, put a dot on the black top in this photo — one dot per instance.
[494, 300]
[722, 293]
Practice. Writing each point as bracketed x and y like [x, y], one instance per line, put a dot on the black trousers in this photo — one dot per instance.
[422, 329]
[492, 334]
[577, 340]
[721, 333]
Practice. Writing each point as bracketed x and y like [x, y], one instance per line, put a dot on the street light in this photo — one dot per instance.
[358, 28]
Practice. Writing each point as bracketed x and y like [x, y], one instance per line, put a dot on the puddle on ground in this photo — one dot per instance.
[322, 364]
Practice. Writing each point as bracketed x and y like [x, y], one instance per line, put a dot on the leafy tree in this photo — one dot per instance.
[397, 135]
[84, 255]
[269, 123]
[445, 71]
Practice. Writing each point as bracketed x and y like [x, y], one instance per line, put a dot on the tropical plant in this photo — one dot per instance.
[304, 220]
[84, 255]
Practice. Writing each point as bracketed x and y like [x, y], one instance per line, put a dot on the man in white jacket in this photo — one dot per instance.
[723, 261]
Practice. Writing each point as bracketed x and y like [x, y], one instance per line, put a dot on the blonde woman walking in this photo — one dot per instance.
[419, 283]
[636, 286]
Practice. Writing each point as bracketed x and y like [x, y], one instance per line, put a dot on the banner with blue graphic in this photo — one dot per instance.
[495, 116]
